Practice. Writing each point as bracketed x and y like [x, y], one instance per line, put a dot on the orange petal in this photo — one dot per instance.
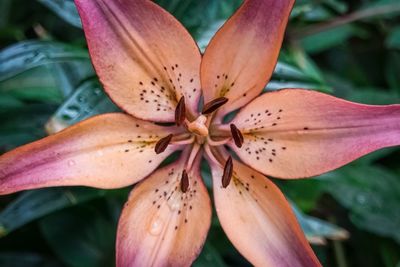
[297, 133]
[162, 226]
[107, 151]
[258, 220]
[241, 57]
[144, 57]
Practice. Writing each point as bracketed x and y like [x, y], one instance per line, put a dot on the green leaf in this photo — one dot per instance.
[88, 100]
[38, 84]
[7, 102]
[390, 254]
[327, 39]
[317, 230]
[25, 259]
[81, 237]
[32, 205]
[288, 71]
[276, 85]
[305, 63]
[373, 96]
[69, 75]
[392, 71]
[65, 9]
[209, 257]
[317, 10]
[393, 40]
[337, 5]
[304, 192]
[26, 55]
[5, 7]
[22, 125]
[382, 8]
[205, 37]
[197, 16]
[296, 70]
[371, 194]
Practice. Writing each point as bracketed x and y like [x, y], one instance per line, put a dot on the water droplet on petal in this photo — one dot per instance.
[174, 204]
[361, 199]
[82, 99]
[97, 91]
[72, 111]
[71, 162]
[156, 226]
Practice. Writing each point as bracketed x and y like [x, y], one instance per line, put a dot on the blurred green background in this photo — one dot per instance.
[350, 49]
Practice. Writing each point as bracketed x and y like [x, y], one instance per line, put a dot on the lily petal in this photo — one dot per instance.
[143, 56]
[258, 219]
[162, 226]
[241, 57]
[107, 151]
[296, 133]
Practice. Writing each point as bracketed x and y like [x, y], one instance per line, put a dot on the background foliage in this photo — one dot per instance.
[347, 48]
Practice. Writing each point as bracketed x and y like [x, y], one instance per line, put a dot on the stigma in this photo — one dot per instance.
[198, 126]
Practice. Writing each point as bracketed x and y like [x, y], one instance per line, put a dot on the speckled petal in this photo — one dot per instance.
[297, 133]
[107, 151]
[143, 56]
[242, 55]
[259, 221]
[162, 226]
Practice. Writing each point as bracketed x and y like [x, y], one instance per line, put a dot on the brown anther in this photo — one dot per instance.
[180, 112]
[184, 181]
[237, 136]
[213, 105]
[162, 144]
[227, 175]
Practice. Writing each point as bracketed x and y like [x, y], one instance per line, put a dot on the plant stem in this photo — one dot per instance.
[338, 249]
[339, 253]
[358, 15]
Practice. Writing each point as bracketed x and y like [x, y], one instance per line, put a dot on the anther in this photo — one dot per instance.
[162, 144]
[184, 181]
[180, 112]
[213, 105]
[227, 175]
[237, 136]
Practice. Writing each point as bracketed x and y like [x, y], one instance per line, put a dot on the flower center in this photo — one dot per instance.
[198, 129]
[199, 126]
[199, 135]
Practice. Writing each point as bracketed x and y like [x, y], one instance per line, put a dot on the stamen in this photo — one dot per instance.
[195, 149]
[162, 144]
[214, 105]
[187, 141]
[184, 181]
[180, 112]
[236, 135]
[227, 175]
[217, 143]
[210, 155]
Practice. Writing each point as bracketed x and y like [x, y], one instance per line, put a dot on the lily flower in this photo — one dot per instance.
[152, 69]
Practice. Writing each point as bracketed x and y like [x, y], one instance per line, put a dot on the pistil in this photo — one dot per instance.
[198, 126]
[221, 142]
